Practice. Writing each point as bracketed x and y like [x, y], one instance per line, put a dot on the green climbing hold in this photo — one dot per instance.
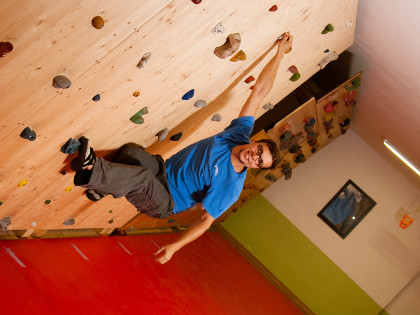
[270, 177]
[295, 77]
[327, 29]
[111, 221]
[1, 202]
[47, 202]
[110, 211]
[137, 118]
[355, 84]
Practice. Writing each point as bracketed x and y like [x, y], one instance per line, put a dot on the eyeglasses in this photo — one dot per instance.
[259, 162]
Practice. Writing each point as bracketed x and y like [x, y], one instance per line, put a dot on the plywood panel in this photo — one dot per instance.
[177, 33]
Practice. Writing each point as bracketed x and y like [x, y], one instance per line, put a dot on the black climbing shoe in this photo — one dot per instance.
[86, 156]
[93, 195]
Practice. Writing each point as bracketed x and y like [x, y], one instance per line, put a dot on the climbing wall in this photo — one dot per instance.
[51, 39]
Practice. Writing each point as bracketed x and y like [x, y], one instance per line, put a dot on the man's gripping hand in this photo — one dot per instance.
[166, 252]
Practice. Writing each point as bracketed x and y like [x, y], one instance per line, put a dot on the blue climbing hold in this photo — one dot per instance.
[96, 98]
[188, 95]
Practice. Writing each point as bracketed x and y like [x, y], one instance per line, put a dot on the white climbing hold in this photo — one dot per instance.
[144, 60]
[33, 224]
[162, 134]
[216, 117]
[349, 24]
[268, 106]
[218, 29]
[200, 104]
[330, 57]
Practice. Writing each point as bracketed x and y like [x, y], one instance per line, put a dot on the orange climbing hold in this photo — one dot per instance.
[22, 183]
[273, 8]
[240, 55]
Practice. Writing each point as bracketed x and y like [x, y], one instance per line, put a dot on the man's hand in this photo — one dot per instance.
[167, 250]
[285, 44]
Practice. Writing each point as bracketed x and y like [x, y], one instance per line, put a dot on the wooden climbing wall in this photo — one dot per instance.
[57, 38]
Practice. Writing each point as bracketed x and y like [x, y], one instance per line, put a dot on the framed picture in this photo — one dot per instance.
[346, 209]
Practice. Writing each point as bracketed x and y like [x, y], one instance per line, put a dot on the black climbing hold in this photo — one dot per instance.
[63, 172]
[188, 95]
[137, 117]
[171, 221]
[28, 133]
[70, 147]
[96, 98]
[61, 82]
[326, 51]
[47, 202]
[176, 136]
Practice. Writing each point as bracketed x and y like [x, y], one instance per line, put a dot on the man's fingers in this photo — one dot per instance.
[159, 251]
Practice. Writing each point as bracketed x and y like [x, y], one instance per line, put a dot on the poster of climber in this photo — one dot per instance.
[346, 209]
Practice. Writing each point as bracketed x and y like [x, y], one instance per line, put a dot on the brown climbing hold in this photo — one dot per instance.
[249, 79]
[273, 8]
[144, 60]
[240, 55]
[98, 22]
[293, 69]
[61, 82]
[5, 48]
[231, 45]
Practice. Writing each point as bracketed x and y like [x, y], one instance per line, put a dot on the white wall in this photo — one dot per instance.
[378, 255]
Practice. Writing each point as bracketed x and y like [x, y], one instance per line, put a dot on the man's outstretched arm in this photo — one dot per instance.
[194, 231]
[266, 78]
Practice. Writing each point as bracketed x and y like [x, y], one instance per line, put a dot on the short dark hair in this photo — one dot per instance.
[274, 150]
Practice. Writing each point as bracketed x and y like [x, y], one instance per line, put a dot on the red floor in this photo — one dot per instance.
[118, 275]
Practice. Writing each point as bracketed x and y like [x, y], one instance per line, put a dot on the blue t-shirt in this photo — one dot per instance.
[203, 171]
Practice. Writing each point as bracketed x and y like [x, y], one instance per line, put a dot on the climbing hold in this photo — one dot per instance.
[196, 1]
[1, 202]
[188, 95]
[287, 171]
[300, 158]
[252, 87]
[71, 146]
[231, 45]
[63, 172]
[293, 69]
[145, 59]
[268, 106]
[69, 221]
[200, 104]
[249, 79]
[4, 223]
[355, 84]
[295, 77]
[330, 57]
[240, 55]
[33, 223]
[61, 82]
[326, 51]
[136, 93]
[162, 134]
[406, 221]
[327, 29]
[47, 202]
[270, 177]
[349, 24]
[330, 107]
[171, 221]
[329, 117]
[176, 136]
[5, 48]
[280, 38]
[273, 8]
[111, 221]
[22, 183]
[218, 29]
[98, 22]
[350, 98]
[28, 134]
[96, 98]
[309, 121]
[137, 117]
[216, 117]
[68, 188]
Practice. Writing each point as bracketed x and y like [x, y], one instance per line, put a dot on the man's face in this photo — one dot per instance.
[255, 155]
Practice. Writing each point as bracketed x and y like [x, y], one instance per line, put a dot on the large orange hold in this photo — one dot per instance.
[98, 22]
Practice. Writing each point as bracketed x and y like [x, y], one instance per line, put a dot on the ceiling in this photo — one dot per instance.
[387, 49]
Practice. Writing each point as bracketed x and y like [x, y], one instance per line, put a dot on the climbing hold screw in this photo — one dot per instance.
[22, 183]
[98, 22]
[176, 136]
[61, 82]
[5, 48]
[137, 117]
[273, 8]
[28, 134]
[188, 95]
[136, 94]
[96, 98]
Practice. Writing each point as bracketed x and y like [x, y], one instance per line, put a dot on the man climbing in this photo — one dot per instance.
[211, 171]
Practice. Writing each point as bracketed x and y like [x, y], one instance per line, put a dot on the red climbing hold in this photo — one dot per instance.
[249, 79]
[273, 8]
[196, 1]
[5, 48]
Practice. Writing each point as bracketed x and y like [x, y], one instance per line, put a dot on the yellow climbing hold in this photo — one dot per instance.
[22, 183]
[240, 55]
[136, 93]
[329, 116]
[68, 188]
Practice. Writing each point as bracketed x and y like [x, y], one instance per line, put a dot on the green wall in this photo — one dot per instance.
[296, 261]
